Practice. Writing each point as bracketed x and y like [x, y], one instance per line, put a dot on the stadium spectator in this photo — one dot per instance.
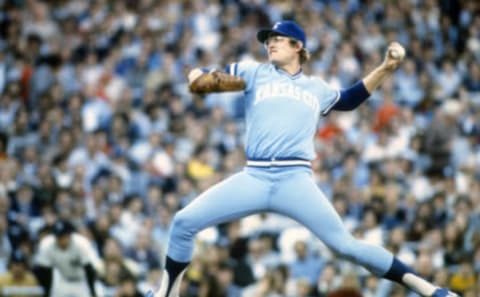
[19, 281]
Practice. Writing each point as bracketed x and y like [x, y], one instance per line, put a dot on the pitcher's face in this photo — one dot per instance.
[281, 50]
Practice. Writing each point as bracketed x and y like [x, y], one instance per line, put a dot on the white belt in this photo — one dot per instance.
[277, 163]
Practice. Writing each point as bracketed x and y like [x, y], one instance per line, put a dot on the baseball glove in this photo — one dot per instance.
[214, 81]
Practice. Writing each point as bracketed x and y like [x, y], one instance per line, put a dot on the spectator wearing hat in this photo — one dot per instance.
[18, 281]
[65, 262]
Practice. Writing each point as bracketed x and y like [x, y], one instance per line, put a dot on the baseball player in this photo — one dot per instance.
[65, 262]
[282, 110]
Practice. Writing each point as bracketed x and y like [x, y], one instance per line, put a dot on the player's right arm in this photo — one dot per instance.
[352, 97]
[393, 57]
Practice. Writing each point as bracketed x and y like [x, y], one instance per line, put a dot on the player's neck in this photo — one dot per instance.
[290, 68]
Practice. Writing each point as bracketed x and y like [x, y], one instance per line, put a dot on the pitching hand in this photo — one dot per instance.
[394, 56]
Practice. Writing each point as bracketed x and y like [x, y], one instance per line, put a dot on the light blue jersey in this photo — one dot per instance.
[282, 110]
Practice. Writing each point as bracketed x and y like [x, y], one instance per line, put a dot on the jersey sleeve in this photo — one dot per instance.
[245, 70]
[327, 95]
[87, 253]
[44, 256]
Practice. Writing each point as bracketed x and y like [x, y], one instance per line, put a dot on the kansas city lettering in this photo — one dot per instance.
[270, 90]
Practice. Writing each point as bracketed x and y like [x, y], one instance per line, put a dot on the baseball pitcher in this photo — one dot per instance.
[282, 109]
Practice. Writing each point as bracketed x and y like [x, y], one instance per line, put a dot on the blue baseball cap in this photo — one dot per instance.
[62, 227]
[285, 28]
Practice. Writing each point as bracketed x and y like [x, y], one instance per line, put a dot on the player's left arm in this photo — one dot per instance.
[91, 276]
[237, 76]
[352, 97]
[89, 260]
[214, 81]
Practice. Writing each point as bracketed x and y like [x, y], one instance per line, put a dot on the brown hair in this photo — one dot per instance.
[304, 54]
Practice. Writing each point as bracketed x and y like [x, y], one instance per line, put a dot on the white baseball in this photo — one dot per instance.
[397, 53]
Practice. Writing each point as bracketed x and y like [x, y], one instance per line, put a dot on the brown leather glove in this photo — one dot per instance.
[214, 81]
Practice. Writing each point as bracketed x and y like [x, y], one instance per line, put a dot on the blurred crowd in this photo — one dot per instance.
[97, 126]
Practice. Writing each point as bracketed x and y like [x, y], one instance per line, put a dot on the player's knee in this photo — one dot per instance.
[346, 249]
[182, 223]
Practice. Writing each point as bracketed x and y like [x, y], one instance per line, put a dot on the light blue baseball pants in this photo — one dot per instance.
[290, 191]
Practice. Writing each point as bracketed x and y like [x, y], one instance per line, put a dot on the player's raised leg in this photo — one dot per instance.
[240, 195]
[311, 208]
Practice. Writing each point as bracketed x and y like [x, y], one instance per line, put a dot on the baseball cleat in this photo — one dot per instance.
[162, 292]
[442, 292]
